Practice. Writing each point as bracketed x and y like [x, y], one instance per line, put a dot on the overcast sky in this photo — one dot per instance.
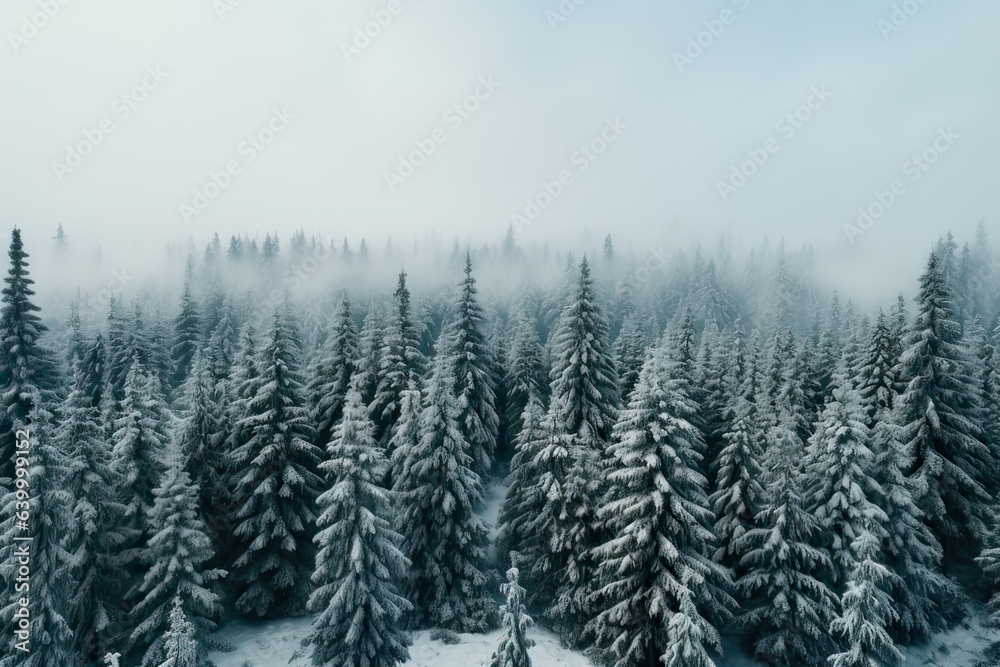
[676, 121]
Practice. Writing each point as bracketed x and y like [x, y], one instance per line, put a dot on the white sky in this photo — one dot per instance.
[685, 129]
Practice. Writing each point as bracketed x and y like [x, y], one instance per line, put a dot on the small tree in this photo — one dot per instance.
[513, 649]
[181, 645]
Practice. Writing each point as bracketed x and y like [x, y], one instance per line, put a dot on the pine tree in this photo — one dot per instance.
[200, 440]
[187, 335]
[400, 362]
[840, 489]
[471, 368]
[941, 418]
[27, 372]
[370, 344]
[787, 609]
[175, 555]
[513, 648]
[866, 607]
[525, 373]
[445, 540]
[656, 564]
[630, 349]
[359, 612]
[139, 439]
[879, 383]
[331, 375]
[95, 536]
[50, 637]
[523, 501]
[277, 484]
[738, 490]
[181, 646]
[922, 596]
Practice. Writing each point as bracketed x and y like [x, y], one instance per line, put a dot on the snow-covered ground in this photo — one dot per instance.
[280, 643]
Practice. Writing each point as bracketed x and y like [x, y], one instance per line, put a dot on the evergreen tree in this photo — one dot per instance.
[630, 350]
[941, 418]
[738, 494]
[331, 375]
[787, 609]
[866, 607]
[95, 536]
[878, 383]
[446, 541]
[523, 501]
[139, 439]
[27, 372]
[187, 335]
[359, 612]
[840, 488]
[513, 649]
[471, 368]
[278, 483]
[657, 581]
[370, 344]
[525, 373]
[400, 362]
[50, 635]
[181, 646]
[175, 555]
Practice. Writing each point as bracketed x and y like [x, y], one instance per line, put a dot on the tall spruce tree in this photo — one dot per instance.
[331, 374]
[278, 482]
[514, 645]
[175, 555]
[187, 335]
[472, 369]
[657, 562]
[445, 539]
[940, 415]
[359, 617]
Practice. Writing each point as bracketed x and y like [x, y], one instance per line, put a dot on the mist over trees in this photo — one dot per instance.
[709, 444]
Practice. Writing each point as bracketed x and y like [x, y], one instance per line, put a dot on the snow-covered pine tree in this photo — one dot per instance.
[738, 493]
[330, 376]
[175, 555]
[359, 614]
[523, 501]
[924, 599]
[49, 584]
[276, 487]
[630, 350]
[405, 438]
[866, 606]
[583, 407]
[371, 340]
[787, 608]
[95, 535]
[140, 435]
[27, 371]
[657, 560]
[187, 333]
[878, 383]
[941, 418]
[445, 539]
[514, 645]
[400, 362]
[224, 343]
[525, 373]
[840, 488]
[471, 368]
[181, 646]
[199, 437]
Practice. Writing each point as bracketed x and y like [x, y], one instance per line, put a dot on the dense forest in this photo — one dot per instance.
[693, 444]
